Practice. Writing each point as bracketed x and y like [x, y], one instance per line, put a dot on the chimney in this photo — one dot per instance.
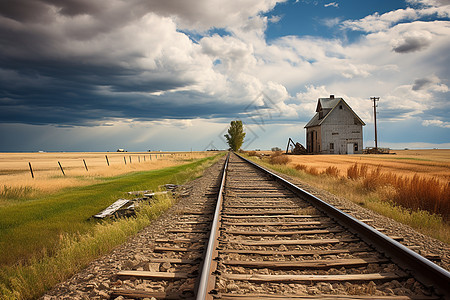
[331, 96]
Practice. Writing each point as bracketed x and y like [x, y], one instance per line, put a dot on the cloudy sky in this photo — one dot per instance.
[83, 75]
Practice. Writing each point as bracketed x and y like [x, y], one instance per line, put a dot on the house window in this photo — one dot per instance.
[355, 121]
[356, 147]
[335, 133]
[331, 146]
[340, 106]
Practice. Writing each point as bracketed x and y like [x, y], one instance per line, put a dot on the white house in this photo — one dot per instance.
[334, 129]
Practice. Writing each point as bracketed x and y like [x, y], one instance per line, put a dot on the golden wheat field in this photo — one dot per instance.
[48, 177]
[425, 163]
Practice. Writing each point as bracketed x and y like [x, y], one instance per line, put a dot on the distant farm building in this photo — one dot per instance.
[334, 129]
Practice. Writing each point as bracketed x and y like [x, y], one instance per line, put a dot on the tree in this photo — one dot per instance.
[236, 135]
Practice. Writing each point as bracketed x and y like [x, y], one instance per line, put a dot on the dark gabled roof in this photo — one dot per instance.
[327, 105]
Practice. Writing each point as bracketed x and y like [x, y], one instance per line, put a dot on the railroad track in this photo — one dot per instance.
[271, 240]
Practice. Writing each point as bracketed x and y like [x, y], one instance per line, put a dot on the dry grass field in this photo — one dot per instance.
[15, 175]
[412, 186]
[426, 163]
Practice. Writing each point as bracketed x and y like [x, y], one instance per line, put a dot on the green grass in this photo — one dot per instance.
[20, 193]
[45, 240]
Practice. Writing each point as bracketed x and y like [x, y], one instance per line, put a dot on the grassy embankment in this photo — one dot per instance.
[45, 240]
[418, 201]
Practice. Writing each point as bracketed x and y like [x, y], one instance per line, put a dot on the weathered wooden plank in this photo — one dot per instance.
[266, 195]
[307, 264]
[290, 242]
[272, 216]
[251, 296]
[261, 206]
[294, 224]
[191, 222]
[255, 189]
[151, 195]
[179, 240]
[110, 210]
[137, 193]
[315, 278]
[272, 233]
[152, 275]
[294, 252]
[265, 212]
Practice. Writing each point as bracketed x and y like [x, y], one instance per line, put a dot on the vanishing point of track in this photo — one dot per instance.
[271, 240]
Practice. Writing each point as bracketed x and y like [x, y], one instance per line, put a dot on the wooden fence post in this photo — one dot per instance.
[31, 170]
[85, 165]
[61, 168]
[107, 161]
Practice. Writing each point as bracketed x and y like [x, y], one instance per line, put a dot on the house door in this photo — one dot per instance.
[350, 148]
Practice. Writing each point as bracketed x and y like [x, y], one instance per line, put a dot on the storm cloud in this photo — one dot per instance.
[80, 63]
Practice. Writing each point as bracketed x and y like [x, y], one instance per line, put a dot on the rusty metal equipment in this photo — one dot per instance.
[295, 148]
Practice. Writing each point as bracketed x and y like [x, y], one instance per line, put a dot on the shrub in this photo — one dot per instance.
[252, 153]
[313, 171]
[373, 179]
[428, 194]
[300, 167]
[277, 158]
[331, 171]
[354, 172]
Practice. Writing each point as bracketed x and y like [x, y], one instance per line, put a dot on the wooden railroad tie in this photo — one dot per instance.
[316, 278]
[307, 264]
[273, 233]
[295, 252]
[294, 224]
[153, 275]
[252, 296]
[291, 242]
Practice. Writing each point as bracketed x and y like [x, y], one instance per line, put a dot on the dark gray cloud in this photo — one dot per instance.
[412, 44]
[83, 62]
[421, 83]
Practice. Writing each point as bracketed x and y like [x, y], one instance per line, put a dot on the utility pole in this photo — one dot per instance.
[375, 99]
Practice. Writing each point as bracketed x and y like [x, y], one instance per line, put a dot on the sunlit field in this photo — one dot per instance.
[426, 163]
[16, 180]
[411, 186]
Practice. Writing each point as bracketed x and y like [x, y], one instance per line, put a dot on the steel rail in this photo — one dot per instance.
[427, 272]
[202, 291]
